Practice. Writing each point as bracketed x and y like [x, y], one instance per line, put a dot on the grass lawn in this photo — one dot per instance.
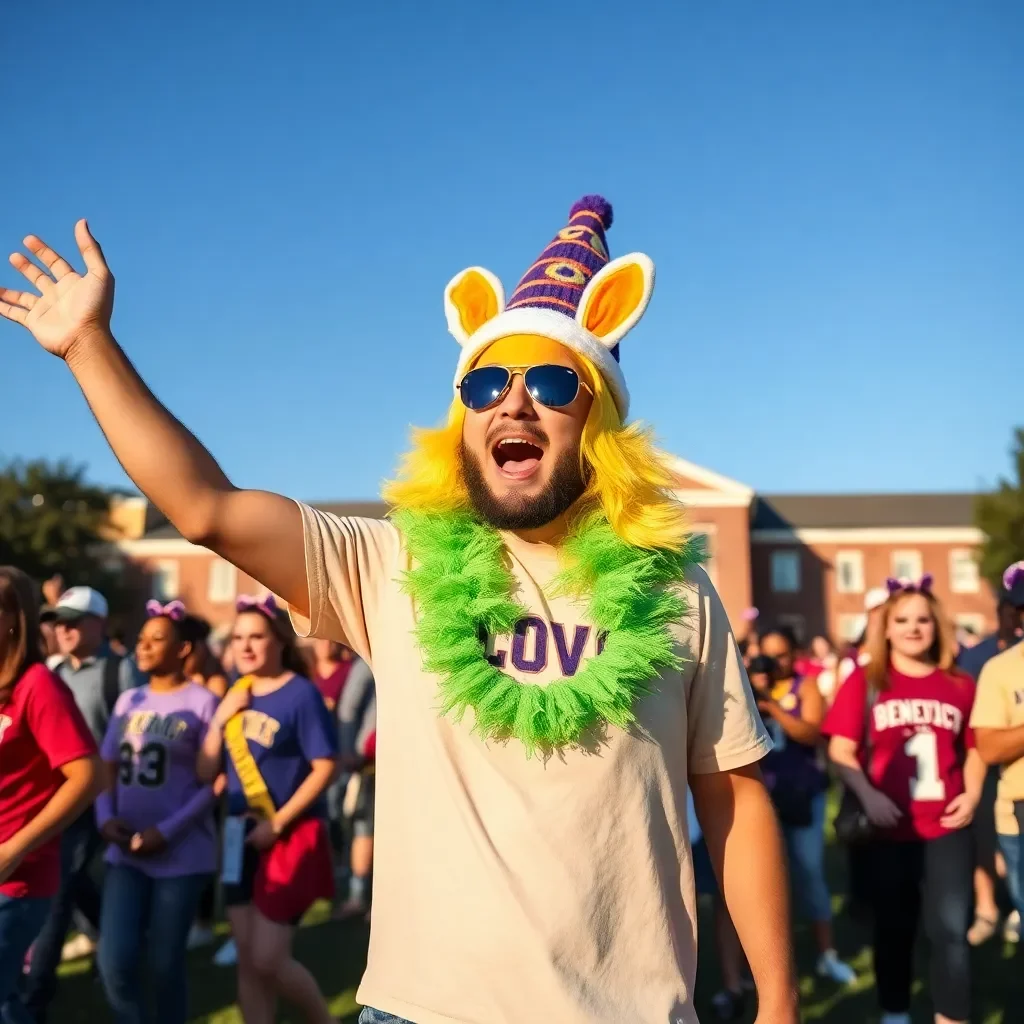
[336, 954]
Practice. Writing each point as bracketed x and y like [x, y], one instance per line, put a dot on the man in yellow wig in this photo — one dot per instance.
[553, 667]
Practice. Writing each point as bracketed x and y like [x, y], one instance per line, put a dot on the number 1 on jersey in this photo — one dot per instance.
[923, 747]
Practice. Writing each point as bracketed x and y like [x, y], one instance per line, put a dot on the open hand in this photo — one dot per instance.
[959, 812]
[69, 306]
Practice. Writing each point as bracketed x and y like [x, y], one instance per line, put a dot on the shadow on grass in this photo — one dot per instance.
[336, 954]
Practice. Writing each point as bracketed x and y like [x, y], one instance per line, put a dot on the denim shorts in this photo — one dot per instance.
[372, 1016]
[1011, 847]
[21, 920]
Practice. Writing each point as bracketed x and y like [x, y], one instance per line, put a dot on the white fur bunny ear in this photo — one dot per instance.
[615, 298]
[472, 297]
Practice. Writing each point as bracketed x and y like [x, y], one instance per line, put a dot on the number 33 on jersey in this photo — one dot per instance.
[154, 739]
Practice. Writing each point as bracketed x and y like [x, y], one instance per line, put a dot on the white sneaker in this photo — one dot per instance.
[895, 1018]
[227, 955]
[830, 966]
[74, 949]
[198, 936]
[1011, 927]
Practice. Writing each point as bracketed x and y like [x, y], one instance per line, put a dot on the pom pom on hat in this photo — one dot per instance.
[593, 204]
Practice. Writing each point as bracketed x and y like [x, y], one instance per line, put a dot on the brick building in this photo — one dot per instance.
[801, 559]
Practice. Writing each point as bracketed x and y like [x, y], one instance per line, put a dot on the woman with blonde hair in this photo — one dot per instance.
[900, 739]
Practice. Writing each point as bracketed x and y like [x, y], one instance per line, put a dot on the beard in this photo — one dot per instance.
[517, 511]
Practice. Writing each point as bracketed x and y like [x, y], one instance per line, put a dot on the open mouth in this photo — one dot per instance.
[517, 457]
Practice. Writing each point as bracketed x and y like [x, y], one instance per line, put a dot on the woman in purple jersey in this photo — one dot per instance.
[157, 816]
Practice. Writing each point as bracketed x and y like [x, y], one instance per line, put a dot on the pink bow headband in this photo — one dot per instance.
[921, 586]
[173, 610]
[1013, 575]
[265, 606]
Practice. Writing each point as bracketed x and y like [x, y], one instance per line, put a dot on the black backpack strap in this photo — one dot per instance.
[111, 681]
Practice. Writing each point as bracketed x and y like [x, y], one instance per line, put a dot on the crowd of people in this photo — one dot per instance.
[915, 724]
[557, 677]
[157, 746]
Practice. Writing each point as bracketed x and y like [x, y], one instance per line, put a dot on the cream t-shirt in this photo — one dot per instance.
[509, 889]
[999, 704]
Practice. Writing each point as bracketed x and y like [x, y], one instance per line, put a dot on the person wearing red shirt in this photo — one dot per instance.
[49, 775]
[332, 664]
[901, 741]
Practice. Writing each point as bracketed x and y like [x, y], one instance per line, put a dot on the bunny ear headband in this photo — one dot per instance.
[173, 610]
[904, 586]
[573, 294]
[266, 605]
[1014, 575]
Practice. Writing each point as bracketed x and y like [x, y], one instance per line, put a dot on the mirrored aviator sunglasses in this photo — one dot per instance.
[550, 385]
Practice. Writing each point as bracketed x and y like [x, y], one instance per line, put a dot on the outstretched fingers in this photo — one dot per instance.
[15, 298]
[90, 249]
[30, 271]
[15, 305]
[53, 262]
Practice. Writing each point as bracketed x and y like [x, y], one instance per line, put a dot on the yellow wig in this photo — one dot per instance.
[628, 476]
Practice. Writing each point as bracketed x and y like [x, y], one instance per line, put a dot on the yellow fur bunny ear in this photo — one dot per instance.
[470, 300]
[615, 298]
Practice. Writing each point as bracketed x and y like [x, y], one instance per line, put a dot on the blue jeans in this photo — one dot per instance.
[78, 847]
[1010, 845]
[154, 915]
[372, 1016]
[20, 922]
[806, 849]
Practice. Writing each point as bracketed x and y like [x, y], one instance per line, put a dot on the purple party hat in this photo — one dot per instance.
[565, 267]
[573, 293]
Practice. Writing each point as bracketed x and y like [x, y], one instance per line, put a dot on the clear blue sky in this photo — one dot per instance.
[831, 192]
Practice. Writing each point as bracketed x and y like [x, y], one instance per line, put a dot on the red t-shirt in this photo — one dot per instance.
[919, 740]
[41, 729]
[330, 686]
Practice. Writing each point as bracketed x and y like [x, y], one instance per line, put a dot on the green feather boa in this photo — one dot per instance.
[459, 582]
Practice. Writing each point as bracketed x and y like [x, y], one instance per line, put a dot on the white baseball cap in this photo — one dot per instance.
[875, 598]
[79, 601]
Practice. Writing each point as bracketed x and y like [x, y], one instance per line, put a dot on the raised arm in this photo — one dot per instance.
[259, 532]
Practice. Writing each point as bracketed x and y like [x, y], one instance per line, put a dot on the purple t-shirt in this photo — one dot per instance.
[285, 730]
[154, 738]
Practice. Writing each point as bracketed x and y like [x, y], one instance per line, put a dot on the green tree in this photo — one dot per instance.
[1000, 515]
[51, 521]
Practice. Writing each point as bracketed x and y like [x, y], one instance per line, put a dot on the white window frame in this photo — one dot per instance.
[222, 584]
[958, 558]
[855, 560]
[785, 556]
[166, 571]
[910, 555]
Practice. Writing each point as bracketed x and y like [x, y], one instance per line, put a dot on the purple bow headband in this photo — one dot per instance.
[921, 586]
[173, 610]
[1013, 575]
[264, 605]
